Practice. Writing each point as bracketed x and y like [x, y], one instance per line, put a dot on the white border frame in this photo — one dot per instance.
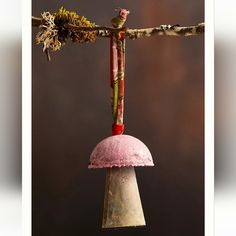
[209, 118]
[27, 114]
[26, 117]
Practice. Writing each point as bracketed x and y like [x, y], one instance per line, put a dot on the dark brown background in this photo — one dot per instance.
[164, 99]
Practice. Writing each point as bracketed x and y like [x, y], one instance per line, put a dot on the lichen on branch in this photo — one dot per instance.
[70, 17]
[48, 35]
[58, 27]
[53, 34]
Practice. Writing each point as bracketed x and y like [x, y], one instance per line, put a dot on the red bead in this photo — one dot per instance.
[117, 129]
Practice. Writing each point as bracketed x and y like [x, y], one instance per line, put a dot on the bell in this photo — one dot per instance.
[122, 204]
[119, 154]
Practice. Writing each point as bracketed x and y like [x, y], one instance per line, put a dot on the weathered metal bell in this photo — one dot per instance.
[119, 154]
[122, 204]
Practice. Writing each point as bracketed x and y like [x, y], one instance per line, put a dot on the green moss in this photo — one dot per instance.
[64, 16]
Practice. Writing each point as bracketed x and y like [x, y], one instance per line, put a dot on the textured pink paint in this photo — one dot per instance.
[120, 151]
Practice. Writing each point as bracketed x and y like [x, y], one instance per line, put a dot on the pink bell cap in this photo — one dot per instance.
[120, 151]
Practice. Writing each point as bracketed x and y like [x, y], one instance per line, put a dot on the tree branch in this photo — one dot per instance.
[103, 31]
[171, 30]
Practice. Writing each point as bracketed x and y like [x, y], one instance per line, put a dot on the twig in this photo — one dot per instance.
[103, 31]
[36, 21]
[171, 30]
[48, 54]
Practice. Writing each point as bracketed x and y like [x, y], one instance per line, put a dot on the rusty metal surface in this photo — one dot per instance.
[122, 204]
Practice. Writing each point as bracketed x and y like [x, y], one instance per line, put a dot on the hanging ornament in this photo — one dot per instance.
[119, 154]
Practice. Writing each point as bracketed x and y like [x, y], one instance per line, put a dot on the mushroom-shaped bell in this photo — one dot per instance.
[119, 154]
[120, 151]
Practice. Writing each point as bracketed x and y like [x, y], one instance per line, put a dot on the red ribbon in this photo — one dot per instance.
[117, 129]
[111, 61]
[117, 65]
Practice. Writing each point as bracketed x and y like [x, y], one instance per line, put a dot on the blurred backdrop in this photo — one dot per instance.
[10, 119]
[164, 107]
[225, 117]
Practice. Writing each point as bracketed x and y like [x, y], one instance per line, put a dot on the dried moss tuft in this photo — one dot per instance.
[64, 16]
[53, 34]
